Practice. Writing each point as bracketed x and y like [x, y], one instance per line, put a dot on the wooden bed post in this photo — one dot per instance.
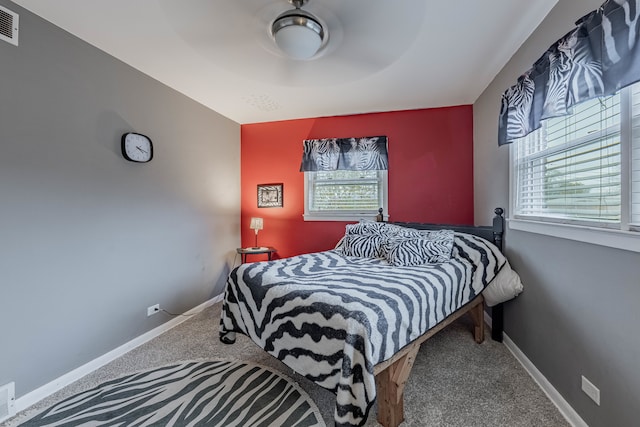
[390, 385]
[477, 315]
[392, 374]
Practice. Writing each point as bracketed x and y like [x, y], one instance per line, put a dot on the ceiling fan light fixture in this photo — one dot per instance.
[297, 33]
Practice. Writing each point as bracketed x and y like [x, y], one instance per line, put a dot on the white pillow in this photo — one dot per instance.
[505, 286]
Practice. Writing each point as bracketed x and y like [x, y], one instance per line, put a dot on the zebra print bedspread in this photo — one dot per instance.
[332, 318]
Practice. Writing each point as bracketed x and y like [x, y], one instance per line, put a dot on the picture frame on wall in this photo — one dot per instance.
[270, 195]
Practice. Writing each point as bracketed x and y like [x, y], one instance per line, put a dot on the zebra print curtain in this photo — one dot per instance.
[368, 153]
[597, 58]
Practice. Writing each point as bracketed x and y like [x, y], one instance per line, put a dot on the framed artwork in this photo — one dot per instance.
[270, 195]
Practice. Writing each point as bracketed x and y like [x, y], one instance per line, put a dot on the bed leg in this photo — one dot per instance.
[477, 315]
[497, 324]
[390, 389]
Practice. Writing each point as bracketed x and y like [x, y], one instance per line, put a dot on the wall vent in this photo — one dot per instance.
[7, 401]
[8, 26]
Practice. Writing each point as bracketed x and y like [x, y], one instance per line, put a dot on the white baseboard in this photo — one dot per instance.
[565, 409]
[563, 406]
[48, 389]
[487, 319]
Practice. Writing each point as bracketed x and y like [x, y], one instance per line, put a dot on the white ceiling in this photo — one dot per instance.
[382, 55]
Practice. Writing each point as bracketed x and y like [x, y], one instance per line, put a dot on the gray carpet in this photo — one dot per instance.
[454, 381]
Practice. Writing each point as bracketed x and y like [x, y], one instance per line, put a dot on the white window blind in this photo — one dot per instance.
[569, 169]
[635, 157]
[344, 193]
[583, 168]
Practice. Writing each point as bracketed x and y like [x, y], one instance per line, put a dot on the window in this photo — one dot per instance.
[344, 195]
[582, 169]
[634, 155]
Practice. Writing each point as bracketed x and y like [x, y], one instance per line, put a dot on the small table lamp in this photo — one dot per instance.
[256, 224]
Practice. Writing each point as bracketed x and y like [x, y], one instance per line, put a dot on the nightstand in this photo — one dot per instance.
[269, 250]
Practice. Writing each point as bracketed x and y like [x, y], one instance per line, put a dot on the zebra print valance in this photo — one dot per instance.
[597, 58]
[366, 153]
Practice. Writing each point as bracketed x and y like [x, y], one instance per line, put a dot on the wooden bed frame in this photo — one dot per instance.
[392, 374]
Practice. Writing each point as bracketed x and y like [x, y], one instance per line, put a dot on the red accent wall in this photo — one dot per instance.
[430, 172]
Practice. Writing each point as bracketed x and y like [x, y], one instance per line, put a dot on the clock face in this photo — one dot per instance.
[136, 147]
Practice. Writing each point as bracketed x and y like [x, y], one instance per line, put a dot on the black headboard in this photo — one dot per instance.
[492, 233]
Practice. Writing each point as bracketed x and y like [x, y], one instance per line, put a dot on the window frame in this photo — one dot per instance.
[341, 215]
[626, 236]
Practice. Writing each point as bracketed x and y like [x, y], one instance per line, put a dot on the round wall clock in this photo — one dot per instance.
[137, 147]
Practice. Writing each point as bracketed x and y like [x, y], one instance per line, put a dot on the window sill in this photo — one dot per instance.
[625, 240]
[344, 218]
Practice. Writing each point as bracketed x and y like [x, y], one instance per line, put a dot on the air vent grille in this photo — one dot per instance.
[8, 26]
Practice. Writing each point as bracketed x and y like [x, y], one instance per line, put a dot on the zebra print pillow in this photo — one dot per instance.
[361, 245]
[366, 227]
[397, 231]
[382, 229]
[432, 248]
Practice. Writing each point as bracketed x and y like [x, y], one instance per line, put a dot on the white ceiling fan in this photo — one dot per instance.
[318, 42]
[298, 33]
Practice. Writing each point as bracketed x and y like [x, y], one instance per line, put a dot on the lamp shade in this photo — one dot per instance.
[256, 224]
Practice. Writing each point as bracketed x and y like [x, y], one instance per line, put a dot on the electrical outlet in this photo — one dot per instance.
[590, 390]
[153, 310]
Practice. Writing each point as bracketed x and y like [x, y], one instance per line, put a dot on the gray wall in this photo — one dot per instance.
[89, 240]
[578, 314]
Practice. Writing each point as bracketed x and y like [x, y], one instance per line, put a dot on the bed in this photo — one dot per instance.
[352, 319]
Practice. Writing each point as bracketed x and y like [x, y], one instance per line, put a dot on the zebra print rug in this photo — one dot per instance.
[194, 393]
